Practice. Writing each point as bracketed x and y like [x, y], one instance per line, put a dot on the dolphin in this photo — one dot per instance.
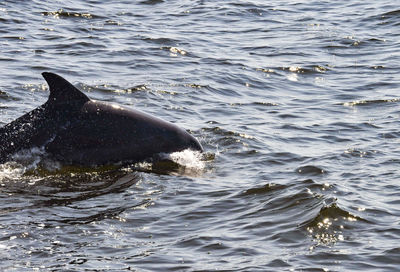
[76, 130]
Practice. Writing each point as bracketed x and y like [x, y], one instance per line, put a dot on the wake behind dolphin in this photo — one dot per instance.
[76, 130]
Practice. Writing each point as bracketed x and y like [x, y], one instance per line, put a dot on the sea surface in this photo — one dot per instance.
[296, 103]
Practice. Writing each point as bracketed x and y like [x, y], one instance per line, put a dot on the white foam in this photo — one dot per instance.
[11, 171]
[24, 161]
[188, 159]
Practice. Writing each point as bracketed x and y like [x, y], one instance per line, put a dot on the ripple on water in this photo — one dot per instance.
[387, 19]
[308, 70]
[331, 225]
[70, 14]
[371, 103]
[310, 170]
[264, 189]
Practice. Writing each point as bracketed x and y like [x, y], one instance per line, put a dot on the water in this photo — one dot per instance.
[295, 102]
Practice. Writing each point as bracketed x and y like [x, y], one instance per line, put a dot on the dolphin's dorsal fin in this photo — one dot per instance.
[61, 91]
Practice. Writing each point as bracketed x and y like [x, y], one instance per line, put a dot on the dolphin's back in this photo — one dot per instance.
[107, 133]
[76, 130]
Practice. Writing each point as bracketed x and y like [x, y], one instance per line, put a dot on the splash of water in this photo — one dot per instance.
[186, 162]
[26, 161]
[188, 159]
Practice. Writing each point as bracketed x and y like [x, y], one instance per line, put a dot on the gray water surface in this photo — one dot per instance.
[295, 102]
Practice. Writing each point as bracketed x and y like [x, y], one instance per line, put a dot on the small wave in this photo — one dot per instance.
[327, 226]
[223, 132]
[101, 215]
[69, 187]
[312, 69]
[306, 70]
[394, 13]
[138, 88]
[354, 152]
[108, 88]
[256, 103]
[387, 18]
[240, 141]
[67, 14]
[152, 2]
[196, 86]
[370, 102]
[265, 189]
[310, 170]
[160, 41]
